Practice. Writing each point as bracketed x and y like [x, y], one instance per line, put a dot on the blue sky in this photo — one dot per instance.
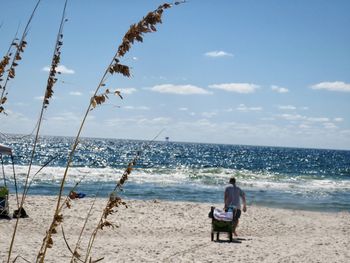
[237, 72]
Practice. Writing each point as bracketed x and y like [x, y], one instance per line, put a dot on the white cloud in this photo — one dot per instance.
[127, 90]
[16, 116]
[204, 123]
[333, 86]
[298, 117]
[304, 126]
[329, 125]
[208, 114]
[42, 97]
[279, 89]
[179, 89]
[75, 93]
[267, 119]
[345, 132]
[292, 117]
[216, 54]
[136, 108]
[318, 119]
[66, 116]
[154, 78]
[244, 108]
[61, 68]
[291, 107]
[287, 107]
[236, 87]
[338, 119]
[39, 97]
[148, 125]
[183, 109]
[117, 122]
[155, 121]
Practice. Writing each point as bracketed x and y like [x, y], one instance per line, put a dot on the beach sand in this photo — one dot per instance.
[162, 231]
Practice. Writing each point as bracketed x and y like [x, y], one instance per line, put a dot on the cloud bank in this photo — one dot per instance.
[279, 89]
[243, 88]
[61, 68]
[217, 54]
[179, 89]
[75, 93]
[332, 86]
[127, 91]
[244, 108]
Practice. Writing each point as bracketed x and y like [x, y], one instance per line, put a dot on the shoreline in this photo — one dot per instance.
[172, 231]
[287, 206]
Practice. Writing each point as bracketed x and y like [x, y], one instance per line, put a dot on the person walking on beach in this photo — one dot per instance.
[232, 199]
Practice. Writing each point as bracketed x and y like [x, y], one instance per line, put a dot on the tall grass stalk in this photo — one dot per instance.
[114, 200]
[48, 94]
[135, 33]
[75, 253]
[19, 49]
[7, 57]
[3, 64]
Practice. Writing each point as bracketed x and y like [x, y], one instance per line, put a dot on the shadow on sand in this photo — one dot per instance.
[234, 240]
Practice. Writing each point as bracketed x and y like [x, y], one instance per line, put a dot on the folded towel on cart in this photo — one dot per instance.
[221, 215]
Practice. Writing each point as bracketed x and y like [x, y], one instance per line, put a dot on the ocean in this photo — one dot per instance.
[295, 178]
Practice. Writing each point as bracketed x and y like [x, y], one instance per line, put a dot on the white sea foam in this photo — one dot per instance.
[212, 178]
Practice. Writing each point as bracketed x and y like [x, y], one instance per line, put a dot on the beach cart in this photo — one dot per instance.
[222, 222]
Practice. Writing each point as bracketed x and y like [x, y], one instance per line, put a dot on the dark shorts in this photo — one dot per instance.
[236, 215]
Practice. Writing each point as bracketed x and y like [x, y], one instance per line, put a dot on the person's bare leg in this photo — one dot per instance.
[234, 226]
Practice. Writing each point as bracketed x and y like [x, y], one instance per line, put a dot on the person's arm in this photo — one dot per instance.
[225, 198]
[244, 202]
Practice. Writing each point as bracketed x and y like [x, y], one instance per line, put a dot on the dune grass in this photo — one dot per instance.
[135, 34]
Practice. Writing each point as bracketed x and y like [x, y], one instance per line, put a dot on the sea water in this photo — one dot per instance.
[311, 179]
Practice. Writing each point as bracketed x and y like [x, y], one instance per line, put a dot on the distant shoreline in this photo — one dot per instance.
[185, 142]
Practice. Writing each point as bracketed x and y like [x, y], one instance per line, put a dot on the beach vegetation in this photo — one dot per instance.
[48, 94]
[7, 67]
[135, 34]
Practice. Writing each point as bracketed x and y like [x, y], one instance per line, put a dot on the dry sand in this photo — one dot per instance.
[161, 231]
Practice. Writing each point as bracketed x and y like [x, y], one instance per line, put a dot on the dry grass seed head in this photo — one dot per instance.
[76, 254]
[100, 99]
[4, 62]
[54, 64]
[135, 32]
[11, 71]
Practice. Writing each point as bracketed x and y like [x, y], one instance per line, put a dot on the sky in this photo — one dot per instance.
[271, 73]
